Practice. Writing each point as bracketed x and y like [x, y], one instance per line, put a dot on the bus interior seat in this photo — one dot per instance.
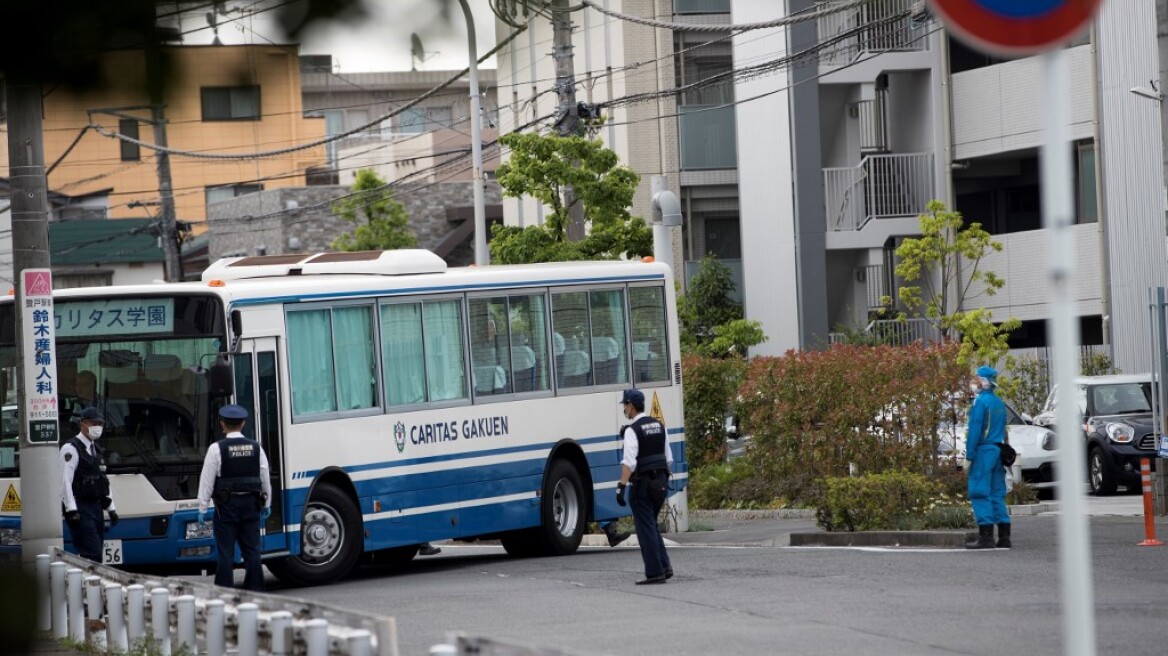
[161, 367]
[490, 379]
[523, 362]
[119, 366]
[577, 369]
[606, 355]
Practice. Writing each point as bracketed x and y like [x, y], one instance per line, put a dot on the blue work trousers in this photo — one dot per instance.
[89, 533]
[238, 521]
[646, 507]
[987, 486]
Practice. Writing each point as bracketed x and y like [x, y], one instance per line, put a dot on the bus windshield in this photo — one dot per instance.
[152, 390]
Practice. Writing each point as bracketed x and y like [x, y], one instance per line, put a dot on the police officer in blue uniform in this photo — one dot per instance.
[235, 475]
[987, 476]
[86, 491]
[645, 465]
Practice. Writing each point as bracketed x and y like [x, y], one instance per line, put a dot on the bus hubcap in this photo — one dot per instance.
[565, 507]
[322, 535]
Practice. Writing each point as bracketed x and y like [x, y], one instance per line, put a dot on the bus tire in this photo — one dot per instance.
[522, 544]
[330, 540]
[564, 510]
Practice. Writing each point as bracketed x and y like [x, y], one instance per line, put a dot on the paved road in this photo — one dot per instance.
[730, 599]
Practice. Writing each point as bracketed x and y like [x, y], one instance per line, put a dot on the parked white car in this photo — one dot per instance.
[1035, 445]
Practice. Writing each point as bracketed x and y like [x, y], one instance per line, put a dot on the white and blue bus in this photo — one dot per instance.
[399, 402]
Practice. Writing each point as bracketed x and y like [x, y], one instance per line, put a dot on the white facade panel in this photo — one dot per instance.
[1022, 264]
[1132, 174]
[999, 108]
[765, 168]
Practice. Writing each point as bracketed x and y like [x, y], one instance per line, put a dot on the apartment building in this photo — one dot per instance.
[218, 99]
[806, 171]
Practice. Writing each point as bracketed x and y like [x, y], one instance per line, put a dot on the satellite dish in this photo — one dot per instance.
[417, 52]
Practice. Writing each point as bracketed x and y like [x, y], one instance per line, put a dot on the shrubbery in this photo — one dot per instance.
[711, 387]
[889, 501]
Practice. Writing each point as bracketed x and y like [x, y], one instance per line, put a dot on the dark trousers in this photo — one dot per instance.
[89, 533]
[238, 521]
[646, 507]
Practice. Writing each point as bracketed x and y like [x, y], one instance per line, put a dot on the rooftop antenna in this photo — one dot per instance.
[417, 52]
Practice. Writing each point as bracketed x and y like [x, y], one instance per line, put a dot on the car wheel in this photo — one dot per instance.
[330, 540]
[562, 517]
[1099, 473]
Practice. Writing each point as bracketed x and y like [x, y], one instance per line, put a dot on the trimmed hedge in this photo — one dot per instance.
[889, 501]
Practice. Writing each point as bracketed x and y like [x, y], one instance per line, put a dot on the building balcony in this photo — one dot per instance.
[881, 187]
[878, 26]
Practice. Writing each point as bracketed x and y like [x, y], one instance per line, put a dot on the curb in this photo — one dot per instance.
[952, 539]
[601, 540]
[1033, 509]
[781, 513]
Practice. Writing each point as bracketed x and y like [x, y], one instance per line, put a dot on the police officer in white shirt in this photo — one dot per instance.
[235, 474]
[86, 492]
[645, 465]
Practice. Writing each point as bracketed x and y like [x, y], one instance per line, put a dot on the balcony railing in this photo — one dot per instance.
[873, 116]
[876, 283]
[876, 26]
[882, 186]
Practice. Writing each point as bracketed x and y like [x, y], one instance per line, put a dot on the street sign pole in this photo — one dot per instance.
[1057, 217]
[1029, 27]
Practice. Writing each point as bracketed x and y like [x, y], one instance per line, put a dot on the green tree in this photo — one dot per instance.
[944, 263]
[712, 321]
[381, 223]
[542, 166]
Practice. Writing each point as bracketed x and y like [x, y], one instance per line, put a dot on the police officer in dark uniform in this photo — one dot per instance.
[85, 492]
[645, 464]
[235, 475]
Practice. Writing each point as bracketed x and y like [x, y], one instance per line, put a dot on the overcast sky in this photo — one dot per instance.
[378, 43]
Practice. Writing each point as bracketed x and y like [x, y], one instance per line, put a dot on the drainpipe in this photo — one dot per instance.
[1101, 198]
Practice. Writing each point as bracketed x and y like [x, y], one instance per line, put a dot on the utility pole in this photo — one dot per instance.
[155, 83]
[40, 471]
[482, 255]
[568, 113]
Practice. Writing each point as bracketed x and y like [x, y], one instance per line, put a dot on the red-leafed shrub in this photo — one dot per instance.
[711, 386]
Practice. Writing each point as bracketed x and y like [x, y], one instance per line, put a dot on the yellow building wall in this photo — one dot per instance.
[95, 163]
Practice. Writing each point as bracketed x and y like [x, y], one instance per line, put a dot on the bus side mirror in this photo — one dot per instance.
[221, 379]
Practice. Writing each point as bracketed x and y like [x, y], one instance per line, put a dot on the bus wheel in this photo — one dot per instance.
[564, 509]
[330, 540]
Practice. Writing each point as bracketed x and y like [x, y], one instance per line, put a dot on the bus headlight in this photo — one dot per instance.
[9, 537]
[197, 531]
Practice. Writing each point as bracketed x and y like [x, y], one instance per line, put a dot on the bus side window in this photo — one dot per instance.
[647, 321]
[529, 347]
[609, 349]
[490, 345]
[570, 321]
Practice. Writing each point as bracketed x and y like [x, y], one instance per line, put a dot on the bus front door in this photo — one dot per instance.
[256, 379]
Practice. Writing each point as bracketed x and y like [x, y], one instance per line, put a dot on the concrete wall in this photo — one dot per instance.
[300, 219]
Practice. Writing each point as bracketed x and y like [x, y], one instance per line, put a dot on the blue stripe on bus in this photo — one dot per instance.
[352, 469]
[441, 288]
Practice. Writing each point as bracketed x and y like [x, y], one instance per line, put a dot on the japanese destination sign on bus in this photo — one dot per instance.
[117, 316]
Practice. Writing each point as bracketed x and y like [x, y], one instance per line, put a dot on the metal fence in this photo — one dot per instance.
[115, 611]
[881, 186]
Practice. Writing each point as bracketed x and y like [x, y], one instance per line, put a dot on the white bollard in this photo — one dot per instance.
[184, 607]
[44, 605]
[93, 609]
[160, 619]
[135, 613]
[316, 638]
[76, 607]
[115, 618]
[216, 639]
[280, 624]
[360, 643]
[60, 603]
[247, 618]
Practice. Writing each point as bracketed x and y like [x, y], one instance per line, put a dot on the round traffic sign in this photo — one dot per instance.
[1016, 27]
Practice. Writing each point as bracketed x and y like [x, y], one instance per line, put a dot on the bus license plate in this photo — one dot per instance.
[111, 552]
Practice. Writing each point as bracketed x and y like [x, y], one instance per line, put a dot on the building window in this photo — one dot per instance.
[424, 119]
[706, 121]
[701, 6]
[224, 192]
[1088, 191]
[231, 103]
[131, 152]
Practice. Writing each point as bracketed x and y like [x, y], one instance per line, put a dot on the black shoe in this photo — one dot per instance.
[1003, 536]
[429, 550]
[669, 573]
[653, 579]
[985, 537]
[615, 537]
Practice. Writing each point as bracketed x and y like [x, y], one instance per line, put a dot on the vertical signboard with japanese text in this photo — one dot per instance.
[37, 353]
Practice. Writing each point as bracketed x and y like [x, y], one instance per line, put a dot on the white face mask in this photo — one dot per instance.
[94, 432]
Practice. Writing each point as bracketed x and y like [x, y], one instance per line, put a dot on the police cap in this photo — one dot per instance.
[634, 397]
[91, 414]
[233, 413]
